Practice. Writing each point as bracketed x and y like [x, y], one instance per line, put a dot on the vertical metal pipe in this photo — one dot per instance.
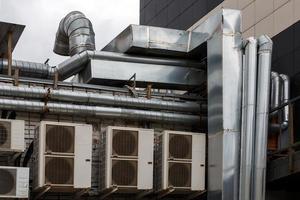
[275, 92]
[262, 117]
[9, 52]
[248, 118]
[286, 97]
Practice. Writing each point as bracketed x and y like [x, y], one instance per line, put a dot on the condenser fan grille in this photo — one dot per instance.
[8, 182]
[180, 174]
[180, 146]
[5, 136]
[60, 139]
[125, 142]
[124, 172]
[59, 170]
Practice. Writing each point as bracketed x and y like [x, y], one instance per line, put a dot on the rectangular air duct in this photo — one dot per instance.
[149, 40]
[127, 158]
[14, 182]
[180, 158]
[12, 135]
[118, 73]
[62, 151]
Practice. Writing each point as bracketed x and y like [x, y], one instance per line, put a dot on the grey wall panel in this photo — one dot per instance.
[173, 10]
[297, 35]
[181, 14]
[150, 11]
[286, 59]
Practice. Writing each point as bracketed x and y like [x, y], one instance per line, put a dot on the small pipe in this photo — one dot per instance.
[286, 97]
[275, 90]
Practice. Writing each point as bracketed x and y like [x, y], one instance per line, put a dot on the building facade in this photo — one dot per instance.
[277, 18]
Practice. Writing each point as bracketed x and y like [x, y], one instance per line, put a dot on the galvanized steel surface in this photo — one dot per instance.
[116, 73]
[29, 69]
[99, 99]
[75, 34]
[275, 90]
[78, 62]
[285, 98]
[150, 40]
[99, 111]
[223, 36]
[248, 118]
[262, 117]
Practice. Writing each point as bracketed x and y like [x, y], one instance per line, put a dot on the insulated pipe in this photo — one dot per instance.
[75, 34]
[29, 69]
[77, 62]
[286, 97]
[99, 111]
[280, 95]
[248, 118]
[96, 98]
[262, 114]
[275, 90]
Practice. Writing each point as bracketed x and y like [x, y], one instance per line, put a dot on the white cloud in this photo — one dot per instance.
[41, 17]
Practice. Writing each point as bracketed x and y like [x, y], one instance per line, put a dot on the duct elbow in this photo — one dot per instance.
[75, 34]
[265, 44]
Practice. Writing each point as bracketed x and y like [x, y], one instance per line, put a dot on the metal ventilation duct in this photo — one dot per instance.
[100, 111]
[148, 40]
[99, 99]
[248, 118]
[75, 34]
[29, 69]
[275, 90]
[79, 61]
[262, 117]
[285, 99]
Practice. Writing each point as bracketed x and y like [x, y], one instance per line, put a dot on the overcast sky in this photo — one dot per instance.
[41, 17]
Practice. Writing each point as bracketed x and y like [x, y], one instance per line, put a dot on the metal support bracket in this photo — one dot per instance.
[43, 191]
[133, 80]
[195, 195]
[131, 87]
[16, 77]
[80, 193]
[149, 91]
[144, 194]
[55, 81]
[107, 192]
[163, 193]
[14, 157]
[9, 52]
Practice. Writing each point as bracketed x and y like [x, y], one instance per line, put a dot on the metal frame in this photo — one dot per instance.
[222, 33]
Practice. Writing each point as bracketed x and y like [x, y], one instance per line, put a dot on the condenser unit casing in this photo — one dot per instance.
[63, 155]
[127, 159]
[14, 182]
[12, 135]
[180, 161]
